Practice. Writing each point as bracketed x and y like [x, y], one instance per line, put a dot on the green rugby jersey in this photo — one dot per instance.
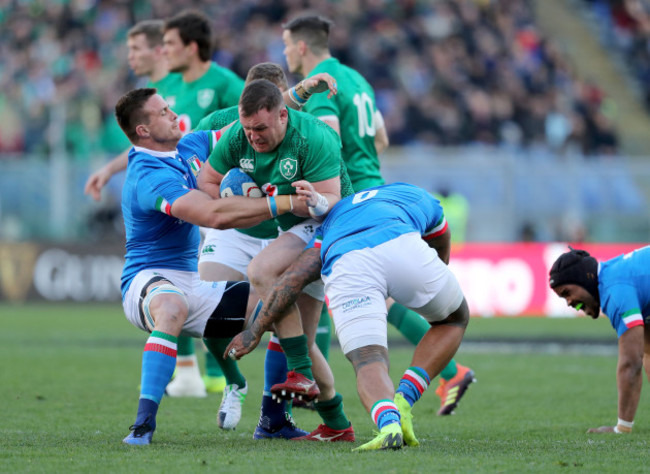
[216, 121]
[168, 86]
[310, 150]
[354, 105]
[217, 89]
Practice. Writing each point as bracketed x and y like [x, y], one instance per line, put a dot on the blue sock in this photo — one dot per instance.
[147, 411]
[384, 412]
[158, 363]
[272, 413]
[413, 384]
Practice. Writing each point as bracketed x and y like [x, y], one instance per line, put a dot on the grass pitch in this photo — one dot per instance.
[68, 393]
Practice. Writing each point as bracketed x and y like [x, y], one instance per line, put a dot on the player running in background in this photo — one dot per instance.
[278, 146]
[621, 287]
[145, 56]
[161, 289]
[390, 240]
[353, 114]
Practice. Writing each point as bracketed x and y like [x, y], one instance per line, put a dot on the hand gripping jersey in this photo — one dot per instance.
[154, 180]
[624, 287]
[377, 215]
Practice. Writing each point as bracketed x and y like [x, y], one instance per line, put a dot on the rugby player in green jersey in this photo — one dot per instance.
[225, 255]
[277, 147]
[355, 117]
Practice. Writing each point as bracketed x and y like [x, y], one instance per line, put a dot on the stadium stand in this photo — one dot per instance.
[446, 72]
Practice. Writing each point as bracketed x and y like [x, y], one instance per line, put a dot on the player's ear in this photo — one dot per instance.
[142, 131]
[302, 47]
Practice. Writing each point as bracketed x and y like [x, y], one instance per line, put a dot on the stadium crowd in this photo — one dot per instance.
[624, 26]
[449, 72]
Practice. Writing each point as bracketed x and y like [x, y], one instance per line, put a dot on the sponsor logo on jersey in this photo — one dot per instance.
[204, 97]
[356, 303]
[247, 164]
[288, 167]
[208, 249]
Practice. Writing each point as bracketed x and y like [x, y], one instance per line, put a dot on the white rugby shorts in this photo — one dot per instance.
[202, 298]
[231, 248]
[405, 269]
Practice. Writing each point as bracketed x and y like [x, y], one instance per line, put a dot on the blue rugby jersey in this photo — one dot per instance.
[624, 287]
[377, 215]
[154, 180]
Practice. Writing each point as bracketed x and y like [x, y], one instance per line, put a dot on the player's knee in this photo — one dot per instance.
[260, 273]
[164, 304]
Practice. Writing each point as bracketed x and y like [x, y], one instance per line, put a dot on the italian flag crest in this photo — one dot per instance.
[195, 164]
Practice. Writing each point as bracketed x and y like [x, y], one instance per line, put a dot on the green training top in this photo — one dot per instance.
[355, 107]
[310, 150]
[216, 121]
[217, 89]
[168, 86]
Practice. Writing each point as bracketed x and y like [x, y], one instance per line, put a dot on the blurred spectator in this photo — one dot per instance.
[448, 72]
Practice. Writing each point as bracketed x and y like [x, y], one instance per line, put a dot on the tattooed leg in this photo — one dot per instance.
[373, 382]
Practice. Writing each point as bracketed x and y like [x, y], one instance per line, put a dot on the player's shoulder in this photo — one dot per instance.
[218, 119]
[307, 125]
[345, 75]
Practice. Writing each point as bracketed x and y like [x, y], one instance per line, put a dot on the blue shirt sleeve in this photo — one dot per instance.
[621, 305]
[160, 184]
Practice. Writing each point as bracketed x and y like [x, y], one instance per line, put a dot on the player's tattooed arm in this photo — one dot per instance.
[284, 293]
[286, 290]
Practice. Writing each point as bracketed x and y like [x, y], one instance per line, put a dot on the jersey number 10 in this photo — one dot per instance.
[365, 112]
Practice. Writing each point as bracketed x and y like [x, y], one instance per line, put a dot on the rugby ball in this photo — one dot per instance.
[237, 183]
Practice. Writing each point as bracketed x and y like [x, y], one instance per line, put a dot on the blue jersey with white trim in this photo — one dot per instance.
[154, 180]
[624, 288]
[377, 215]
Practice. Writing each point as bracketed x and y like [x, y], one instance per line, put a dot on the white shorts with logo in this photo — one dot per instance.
[305, 231]
[405, 269]
[202, 298]
[232, 248]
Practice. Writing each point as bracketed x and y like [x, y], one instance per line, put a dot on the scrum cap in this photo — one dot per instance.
[576, 267]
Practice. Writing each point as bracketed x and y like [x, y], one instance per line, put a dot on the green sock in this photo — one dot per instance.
[297, 353]
[450, 371]
[185, 346]
[331, 411]
[409, 323]
[217, 345]
[212, 367]
[324, 332]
